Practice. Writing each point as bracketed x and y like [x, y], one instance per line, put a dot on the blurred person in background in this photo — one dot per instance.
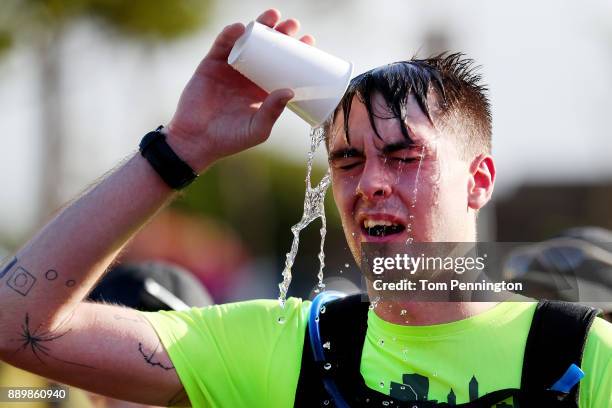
[581, 255]
[250, 353]
[208, 249]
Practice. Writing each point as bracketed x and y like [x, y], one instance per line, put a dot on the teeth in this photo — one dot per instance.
[376, 223]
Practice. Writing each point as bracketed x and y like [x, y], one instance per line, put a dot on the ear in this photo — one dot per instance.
[481, 181]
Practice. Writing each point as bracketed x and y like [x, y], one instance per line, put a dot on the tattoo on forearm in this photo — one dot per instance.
[51, 275]
[7, 268]
[21, 281]
[34, 341]
[149, 357]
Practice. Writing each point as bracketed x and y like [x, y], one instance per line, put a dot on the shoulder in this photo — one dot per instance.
[599, 342]
[601, 333]
[596, 387]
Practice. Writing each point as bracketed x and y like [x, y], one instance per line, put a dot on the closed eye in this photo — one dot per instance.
[406, 159]
[347, 164]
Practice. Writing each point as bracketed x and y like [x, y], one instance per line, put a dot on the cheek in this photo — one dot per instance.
[344, 188]
[418, 187]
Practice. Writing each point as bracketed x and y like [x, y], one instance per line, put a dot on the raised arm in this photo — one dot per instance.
[45, 327]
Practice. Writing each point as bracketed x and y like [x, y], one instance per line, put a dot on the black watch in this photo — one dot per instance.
[175, 172]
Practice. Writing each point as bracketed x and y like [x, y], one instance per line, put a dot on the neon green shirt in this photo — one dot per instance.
[248, 354]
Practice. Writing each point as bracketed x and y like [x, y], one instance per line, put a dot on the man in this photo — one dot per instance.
[248, 354]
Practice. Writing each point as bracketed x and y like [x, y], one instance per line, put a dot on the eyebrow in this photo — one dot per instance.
[394, 147]
[387, 149]
[344, 153]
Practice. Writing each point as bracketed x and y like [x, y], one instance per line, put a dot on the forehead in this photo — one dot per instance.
[420, 129]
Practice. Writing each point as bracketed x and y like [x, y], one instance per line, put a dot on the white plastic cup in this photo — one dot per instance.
[273, 60]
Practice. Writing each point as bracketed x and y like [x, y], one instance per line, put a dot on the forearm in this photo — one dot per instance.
[55, 270]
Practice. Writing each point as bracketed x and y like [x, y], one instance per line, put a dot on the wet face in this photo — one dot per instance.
[391, 189]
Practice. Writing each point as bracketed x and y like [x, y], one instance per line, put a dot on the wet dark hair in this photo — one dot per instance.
[460, 103]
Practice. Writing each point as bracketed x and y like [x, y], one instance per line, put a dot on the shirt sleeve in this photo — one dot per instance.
[238, 354]
[596, 387]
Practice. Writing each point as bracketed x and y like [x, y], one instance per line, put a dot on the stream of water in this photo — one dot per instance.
[314, 207]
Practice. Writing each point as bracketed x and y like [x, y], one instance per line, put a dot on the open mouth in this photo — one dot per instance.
[381, 228]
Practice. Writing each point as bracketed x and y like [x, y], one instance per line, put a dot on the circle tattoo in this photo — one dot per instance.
[70, 283]
[51, 274]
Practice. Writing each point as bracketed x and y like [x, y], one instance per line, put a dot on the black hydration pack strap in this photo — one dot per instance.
[330, 372]
[556, 341]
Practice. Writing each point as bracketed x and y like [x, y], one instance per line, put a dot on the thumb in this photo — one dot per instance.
[269, 111]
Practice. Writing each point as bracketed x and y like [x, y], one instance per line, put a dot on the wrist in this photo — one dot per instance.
[187, 149]
[171, 168]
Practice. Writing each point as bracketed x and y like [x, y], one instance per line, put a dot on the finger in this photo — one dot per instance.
[308, 39]
[269, 17]
[289, 26]
[269, 111]
[225, 41]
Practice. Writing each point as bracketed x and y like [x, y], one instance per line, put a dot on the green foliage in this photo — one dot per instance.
[6, 41]
[155, 19]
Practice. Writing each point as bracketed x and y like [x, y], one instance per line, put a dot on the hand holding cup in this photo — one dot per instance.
[221, 112]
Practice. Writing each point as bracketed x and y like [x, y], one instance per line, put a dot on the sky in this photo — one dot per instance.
[547, 64]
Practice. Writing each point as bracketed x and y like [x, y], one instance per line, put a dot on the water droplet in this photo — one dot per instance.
[435, 374]
[327, 345]
[316, 318]
[411, 217]
[403, 387]
[322, 310]
[409, 240]
[327, 366]
[340, 270]
[382, 384]
[381, 342]
[403, 312]
[281, 320]
[385, 403]
[326, 402]
[346, 265]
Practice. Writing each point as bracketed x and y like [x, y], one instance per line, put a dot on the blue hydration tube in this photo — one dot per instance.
[572, 376]
[317, 346]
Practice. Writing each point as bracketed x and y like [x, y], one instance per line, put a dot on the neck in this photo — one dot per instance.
[428, 313]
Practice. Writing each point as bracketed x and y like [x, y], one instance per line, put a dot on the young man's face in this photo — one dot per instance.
[388, 190]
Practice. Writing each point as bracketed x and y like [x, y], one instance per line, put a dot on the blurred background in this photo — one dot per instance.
[81, 81]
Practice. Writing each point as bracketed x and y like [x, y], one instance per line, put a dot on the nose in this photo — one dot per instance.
[374, 183]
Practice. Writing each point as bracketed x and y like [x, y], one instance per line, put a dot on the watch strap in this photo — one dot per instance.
[171, 168]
